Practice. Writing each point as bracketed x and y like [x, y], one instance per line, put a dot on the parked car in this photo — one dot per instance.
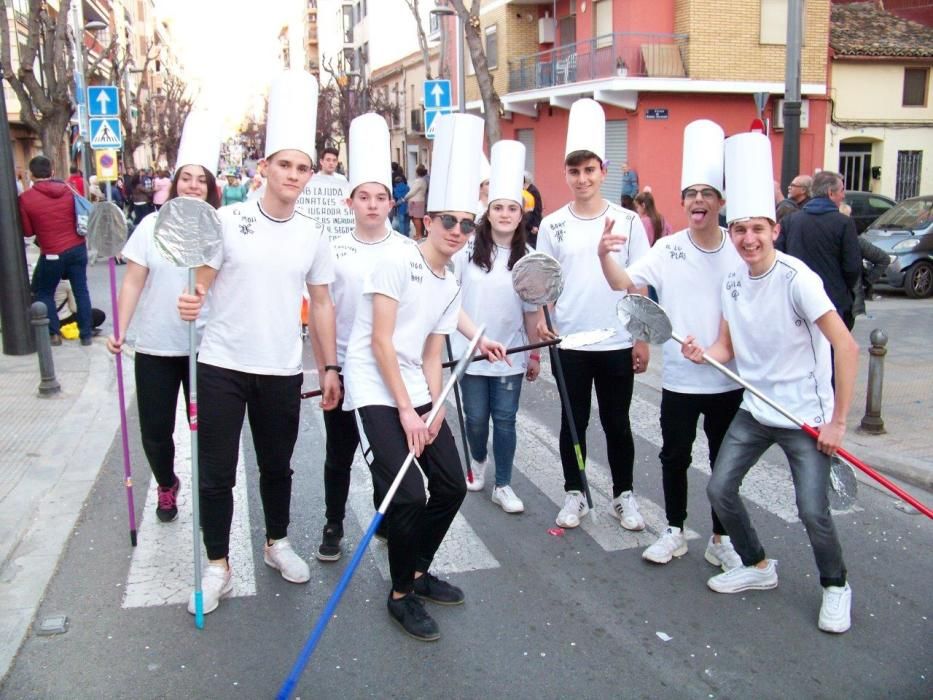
[906, 234]
[866, 207]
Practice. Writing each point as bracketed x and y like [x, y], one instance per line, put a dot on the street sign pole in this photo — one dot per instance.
[790, 159]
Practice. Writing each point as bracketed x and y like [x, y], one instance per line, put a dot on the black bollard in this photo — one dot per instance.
[48, 384]
[872, 422]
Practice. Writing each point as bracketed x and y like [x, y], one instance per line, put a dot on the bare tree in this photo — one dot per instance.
[44, 80]
[344, 102]
[170, 108]
[472, 30]
[422, 37]
[138, 130]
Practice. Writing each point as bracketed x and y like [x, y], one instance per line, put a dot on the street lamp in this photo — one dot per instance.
[448, 11]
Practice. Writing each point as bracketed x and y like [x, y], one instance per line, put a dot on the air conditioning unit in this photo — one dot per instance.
[547, 30]
[779, 114]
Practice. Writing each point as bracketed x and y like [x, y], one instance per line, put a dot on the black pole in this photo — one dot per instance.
[15, 297]
[790, 160]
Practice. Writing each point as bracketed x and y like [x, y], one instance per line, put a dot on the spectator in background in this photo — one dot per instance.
[798, 194]
[415, 200]
[141, 196]
[627, 202]
[533, 217]
[875, 263]
[94, 192]
[398, 172]
[655, 225]
[629, 181]
[234, 191]
[399, 189]
[76, 181]
[160, 189]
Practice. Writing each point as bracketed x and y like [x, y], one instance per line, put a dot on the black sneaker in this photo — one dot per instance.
[431, 588]
[330, 543]
[411, 616]
[167, 509]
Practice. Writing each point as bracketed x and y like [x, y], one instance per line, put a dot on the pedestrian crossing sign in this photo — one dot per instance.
[430, 121]
[106, 133]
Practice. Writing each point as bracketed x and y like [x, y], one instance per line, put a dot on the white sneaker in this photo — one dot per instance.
[625, 508]
[669, 545]
[479, 475]
[280, 555]
[722, 554]
[835, 610]
[574, 508]
[505, 498]
[216, 583]
[746, 578]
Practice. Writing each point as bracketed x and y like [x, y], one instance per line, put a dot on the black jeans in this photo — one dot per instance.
[679, 415]
[157, 382]
[342, 440]
[272, 404]
[417, 524]
[611, 372]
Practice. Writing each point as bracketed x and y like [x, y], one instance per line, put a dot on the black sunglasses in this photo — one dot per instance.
[448, 221]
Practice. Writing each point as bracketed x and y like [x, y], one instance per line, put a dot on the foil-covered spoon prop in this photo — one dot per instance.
[188, 233]
[537, 279]
[106, 233]
[642, 315]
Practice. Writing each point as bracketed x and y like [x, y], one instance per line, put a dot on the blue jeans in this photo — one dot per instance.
[496, 397]
[745, 442]
[70, 265]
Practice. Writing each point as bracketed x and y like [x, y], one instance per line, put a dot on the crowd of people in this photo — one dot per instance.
[381, 305]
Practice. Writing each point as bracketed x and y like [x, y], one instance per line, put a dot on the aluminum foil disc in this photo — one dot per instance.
[575, 341]
[537, 279]
[106, 229]
[843, 486]
[644, 319]
[188, 231]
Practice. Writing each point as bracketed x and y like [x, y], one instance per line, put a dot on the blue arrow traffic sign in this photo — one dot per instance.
[430, 121]
[436, 94]
[102, 101]
[106, 133]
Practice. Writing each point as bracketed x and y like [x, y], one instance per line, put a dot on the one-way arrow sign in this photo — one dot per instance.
[436, 94]
[102, 101]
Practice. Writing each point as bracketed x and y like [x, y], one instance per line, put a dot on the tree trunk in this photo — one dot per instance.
[492, 105]
[54, 145]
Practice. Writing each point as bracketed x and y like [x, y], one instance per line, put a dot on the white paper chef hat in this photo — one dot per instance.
[200, 142]
[454, 165]
[292, 119]
[750, 177]
[506, 180]
[483, 168]
[586, 128]
[370, 159]
[703, 155]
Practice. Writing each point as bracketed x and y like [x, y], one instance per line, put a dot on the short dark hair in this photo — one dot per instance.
[40, 167]
[421, 171]
[73, 170]
[213, 197]
[330, 150]
[580, 157]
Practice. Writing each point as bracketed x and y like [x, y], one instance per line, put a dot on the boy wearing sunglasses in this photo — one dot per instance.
[393, 374]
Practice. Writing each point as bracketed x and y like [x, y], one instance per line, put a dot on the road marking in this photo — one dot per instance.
[162, 568]
[462, 549]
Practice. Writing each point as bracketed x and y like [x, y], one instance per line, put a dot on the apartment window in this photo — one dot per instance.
[602, 19]
[347, 24]
[773, 26]
[492, 47]
[915, 87]
[434, 23]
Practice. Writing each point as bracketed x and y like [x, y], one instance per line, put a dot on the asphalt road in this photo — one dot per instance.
[578, 615]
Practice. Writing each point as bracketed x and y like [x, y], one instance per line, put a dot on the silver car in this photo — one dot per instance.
[906, 234]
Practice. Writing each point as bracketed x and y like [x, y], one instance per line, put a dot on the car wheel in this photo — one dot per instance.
[919, 281]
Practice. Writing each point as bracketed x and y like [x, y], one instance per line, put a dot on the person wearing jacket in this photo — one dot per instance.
[47, 211]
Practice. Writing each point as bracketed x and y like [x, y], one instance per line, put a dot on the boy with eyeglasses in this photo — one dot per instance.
[687, 269]
[393, 374]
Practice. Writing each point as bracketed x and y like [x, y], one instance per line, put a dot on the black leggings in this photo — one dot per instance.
[157, 382]
[342, 440]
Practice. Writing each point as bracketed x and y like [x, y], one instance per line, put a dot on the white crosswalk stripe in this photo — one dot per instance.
[162, 568]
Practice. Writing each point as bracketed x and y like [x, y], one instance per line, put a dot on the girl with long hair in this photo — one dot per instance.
[655, 225]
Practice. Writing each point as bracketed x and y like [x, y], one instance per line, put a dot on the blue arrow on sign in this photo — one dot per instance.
[436, 94]
[102, 101]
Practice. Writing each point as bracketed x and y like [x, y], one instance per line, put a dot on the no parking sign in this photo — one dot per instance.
[106, 164]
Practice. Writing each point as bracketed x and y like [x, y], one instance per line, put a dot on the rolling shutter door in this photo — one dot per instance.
[527, 138]
[616, 154]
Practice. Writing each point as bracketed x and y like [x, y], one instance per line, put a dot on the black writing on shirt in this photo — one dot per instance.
[559, 229]
[733, 285]
[246, 225]
[416, 271]
[676, 253]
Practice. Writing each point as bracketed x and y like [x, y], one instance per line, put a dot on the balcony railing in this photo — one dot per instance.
[622, 54]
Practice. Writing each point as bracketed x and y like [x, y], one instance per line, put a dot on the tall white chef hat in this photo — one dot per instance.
[454, 166]
[750, 176]
[703, 155]
[200, 142]
[507, 175]
[586, 128]
[292, 119]
[370, 159]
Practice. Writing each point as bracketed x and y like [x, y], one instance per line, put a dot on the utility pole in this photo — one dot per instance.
[15, 298]
[458, 46]
[790, 160]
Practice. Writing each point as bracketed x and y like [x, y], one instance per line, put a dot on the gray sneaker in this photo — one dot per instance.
[722, 554]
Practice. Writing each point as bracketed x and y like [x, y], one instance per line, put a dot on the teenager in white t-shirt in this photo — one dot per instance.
[492, 390]
[779, 325]
[250, 360]
[151, 285]
[687, 270]
[572, 235]
[355, 256]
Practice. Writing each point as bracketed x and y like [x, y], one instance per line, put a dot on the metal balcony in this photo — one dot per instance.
[621, 54]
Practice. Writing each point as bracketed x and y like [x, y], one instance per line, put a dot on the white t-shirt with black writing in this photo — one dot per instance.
[354, 260]
[156, 326]
[688, 280]
[778, 347]
[324, 198]
[426, 304]
[588, 302]
[263, 269]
